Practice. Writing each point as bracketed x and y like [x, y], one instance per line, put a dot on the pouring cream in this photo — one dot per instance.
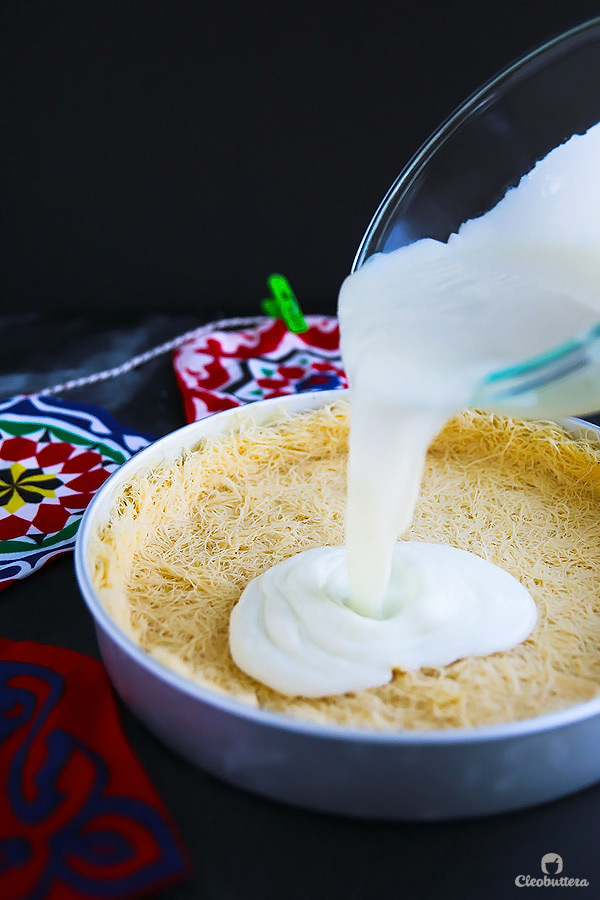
[420, 328]
[300, 636]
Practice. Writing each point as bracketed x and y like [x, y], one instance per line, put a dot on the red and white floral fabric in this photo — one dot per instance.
[229, 364]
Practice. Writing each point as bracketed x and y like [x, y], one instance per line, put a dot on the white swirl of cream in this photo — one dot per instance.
[293, 630]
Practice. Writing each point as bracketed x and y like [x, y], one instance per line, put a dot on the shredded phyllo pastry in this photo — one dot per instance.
[184, 539]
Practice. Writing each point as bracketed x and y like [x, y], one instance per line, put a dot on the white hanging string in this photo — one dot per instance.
[141, 358]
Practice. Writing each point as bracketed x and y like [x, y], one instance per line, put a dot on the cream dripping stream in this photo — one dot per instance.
[420, 328]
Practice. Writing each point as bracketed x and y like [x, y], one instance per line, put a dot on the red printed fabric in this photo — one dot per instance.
[79, 819]
[224, 366]
[54, 455]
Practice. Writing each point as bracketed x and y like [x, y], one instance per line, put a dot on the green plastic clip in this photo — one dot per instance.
[283, 304]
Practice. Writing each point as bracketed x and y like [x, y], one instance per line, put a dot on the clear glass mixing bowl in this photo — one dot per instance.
[467, 166]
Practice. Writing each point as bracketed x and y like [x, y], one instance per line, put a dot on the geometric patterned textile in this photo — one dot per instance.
[79, 819]
[226, 366]
[54, 455]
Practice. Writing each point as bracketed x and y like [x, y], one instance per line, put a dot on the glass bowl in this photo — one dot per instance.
[467, 166]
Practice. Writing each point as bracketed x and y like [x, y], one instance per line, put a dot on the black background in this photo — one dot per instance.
[168, 156]
[158, 161]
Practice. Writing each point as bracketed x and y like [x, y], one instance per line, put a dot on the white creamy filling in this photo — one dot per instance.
[293, 628]
[420, 328]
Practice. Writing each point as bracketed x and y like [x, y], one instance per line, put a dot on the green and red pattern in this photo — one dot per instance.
[54, 456]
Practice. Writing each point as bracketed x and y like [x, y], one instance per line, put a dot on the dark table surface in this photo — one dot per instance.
[160, 161]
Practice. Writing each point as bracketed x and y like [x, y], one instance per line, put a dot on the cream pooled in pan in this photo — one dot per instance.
[428, 321]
